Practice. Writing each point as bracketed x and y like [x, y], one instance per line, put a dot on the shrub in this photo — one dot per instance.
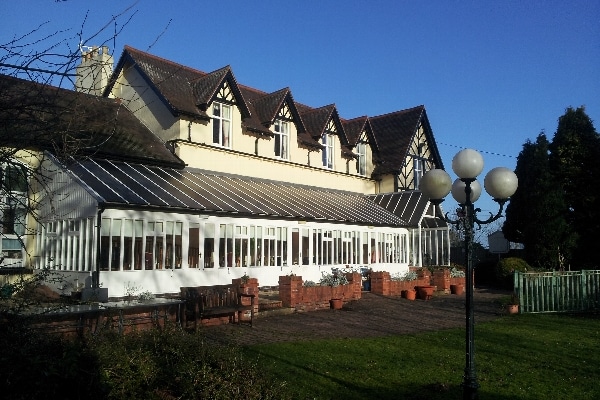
[334, 279]
[505, 269]
[153, 364]
[409, 276]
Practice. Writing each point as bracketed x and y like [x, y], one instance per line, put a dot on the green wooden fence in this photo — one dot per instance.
[557, 291]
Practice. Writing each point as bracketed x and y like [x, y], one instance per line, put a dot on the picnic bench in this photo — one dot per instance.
[214, 301]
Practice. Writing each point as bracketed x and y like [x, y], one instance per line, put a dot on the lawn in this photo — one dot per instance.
[530, 356]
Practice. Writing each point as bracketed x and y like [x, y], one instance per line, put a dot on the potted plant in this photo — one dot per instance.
[513, 304]
[410, 293]
[457, 288]
[334, 279]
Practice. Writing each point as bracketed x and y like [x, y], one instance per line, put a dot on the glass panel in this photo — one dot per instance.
[115, 231]
[295, 246]
[209, 245]
[170, 250]
[305, 247]
[178, 244]
[138, 233]
[149, 254]
[12, 248]
[104, 245]
[193, 245]
[127, 244]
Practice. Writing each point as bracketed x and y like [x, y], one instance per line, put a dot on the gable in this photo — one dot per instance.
[396, 133]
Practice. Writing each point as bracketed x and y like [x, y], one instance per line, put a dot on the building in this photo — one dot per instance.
[197, 179]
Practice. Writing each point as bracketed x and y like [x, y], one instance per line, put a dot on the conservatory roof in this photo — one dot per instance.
[411, 206]
[118, 184]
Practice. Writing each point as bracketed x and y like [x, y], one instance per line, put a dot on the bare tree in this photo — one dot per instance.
[40, 112]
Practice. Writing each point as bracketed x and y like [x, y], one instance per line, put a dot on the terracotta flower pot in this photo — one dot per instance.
[512, 308]
[426, 292]
[411, 294]
[457, 289]
[336, 304]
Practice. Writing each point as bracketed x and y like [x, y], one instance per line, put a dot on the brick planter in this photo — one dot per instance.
[294, 294]
[441, 279]
[382, 283]
[249, 287]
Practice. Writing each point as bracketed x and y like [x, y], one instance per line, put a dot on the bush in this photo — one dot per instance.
[505, 269]
[153, 364]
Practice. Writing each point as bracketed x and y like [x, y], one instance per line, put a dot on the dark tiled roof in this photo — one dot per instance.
[265, 107]
[394, 133]
[129, 185]
[205, 87]
[354, 127]
[186, 91]
[68, 123]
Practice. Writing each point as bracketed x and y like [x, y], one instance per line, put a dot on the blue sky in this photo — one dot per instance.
[491, 74]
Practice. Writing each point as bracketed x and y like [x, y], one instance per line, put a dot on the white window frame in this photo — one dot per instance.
[14, 202]
[361, 163]
[221, 124]
[418, 170]
[328, 141]
[282, 139]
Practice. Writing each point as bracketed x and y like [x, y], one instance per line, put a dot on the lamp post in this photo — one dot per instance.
[500, 183]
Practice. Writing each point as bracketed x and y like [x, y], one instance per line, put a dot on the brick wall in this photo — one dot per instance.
[293, 293]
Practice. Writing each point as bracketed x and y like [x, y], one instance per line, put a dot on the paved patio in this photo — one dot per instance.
[371, 316]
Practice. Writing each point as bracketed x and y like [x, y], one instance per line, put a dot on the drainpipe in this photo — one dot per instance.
[190, 131]
[96, 276]
[256, 146]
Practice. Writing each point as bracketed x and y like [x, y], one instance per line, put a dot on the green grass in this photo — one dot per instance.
[517, 357]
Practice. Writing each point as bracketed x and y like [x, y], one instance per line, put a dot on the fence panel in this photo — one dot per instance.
[557, 291]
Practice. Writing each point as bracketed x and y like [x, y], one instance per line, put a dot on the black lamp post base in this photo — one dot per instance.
[470, 387]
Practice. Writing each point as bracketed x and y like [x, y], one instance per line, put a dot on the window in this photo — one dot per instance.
[13, 180]
[281, 129]
[418, 170]
[221, 124]
[327, 140]
[361, 162]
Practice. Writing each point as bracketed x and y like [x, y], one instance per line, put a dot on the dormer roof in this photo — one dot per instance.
[268, 107]
[355, 127]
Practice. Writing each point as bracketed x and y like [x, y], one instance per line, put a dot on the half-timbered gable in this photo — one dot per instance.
[407, 148]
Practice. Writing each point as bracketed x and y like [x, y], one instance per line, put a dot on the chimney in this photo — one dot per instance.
[94, 71]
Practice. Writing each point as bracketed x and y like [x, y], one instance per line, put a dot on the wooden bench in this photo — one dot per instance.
[214, 301]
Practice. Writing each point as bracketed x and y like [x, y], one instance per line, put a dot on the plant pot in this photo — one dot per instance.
[336, 304]
[410, 294]
[425, 292]
[457, 289]
[512, 308]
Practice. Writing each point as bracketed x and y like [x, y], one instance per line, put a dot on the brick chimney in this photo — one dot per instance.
[94, 71]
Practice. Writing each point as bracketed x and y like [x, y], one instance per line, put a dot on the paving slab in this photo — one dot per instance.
[371, 316]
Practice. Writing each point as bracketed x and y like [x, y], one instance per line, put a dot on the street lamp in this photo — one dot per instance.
[500, 183]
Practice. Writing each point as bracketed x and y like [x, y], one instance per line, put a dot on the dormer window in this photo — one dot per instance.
[361, 162]
[221, 115]
[327, 140]
[282, 139]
